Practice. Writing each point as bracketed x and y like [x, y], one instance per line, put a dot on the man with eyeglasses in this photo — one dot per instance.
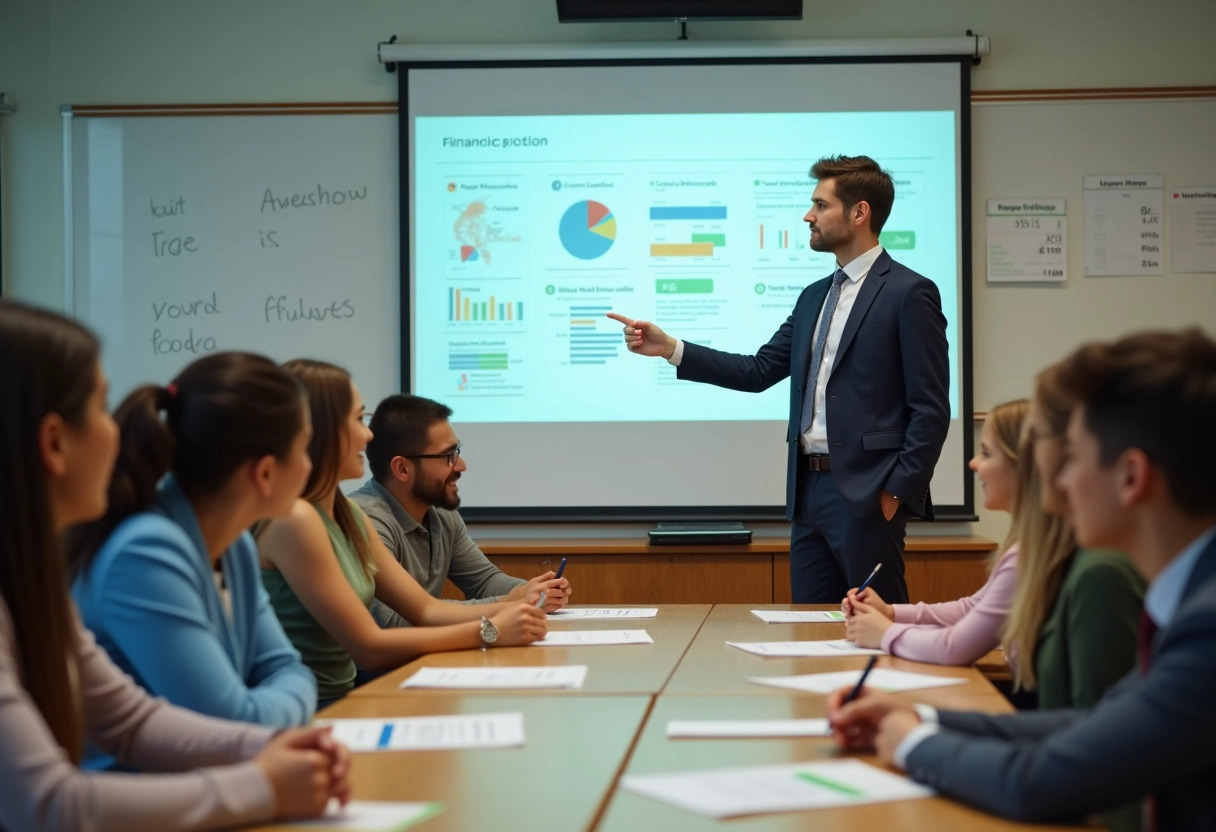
[412, 499]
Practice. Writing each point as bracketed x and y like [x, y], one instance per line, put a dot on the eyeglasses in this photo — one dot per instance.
[451, 456]
[366, 418]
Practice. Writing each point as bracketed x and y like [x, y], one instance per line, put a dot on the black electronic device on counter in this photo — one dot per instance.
[686, 534]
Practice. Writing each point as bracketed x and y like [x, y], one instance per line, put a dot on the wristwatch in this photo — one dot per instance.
[489, 633]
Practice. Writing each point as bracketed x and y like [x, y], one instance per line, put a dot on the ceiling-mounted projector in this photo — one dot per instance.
[587, 11]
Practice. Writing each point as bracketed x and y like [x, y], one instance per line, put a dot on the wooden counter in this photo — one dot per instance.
[613, 571]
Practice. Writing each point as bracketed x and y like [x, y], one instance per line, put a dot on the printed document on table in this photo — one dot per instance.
[430, 733]
[879, 679]
[803, 617]
[370, 816]
[729, 792]
[490, 678]
[745, 728]
[589, 613]
[798, 649]
[575, 638]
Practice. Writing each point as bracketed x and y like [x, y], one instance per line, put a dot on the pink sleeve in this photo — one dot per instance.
[41, 789]
[956, 632]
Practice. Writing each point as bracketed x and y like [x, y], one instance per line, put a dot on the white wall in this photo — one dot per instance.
[55, 52]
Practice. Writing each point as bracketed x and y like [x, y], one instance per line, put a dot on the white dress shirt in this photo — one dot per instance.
[815, 440]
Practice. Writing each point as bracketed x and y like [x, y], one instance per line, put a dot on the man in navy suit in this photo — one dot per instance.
[1141, 449]
[866, 353]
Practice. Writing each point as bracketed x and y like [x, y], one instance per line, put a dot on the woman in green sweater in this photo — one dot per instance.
[1073, 629]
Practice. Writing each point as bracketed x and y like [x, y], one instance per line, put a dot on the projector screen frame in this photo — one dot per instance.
[560, 514]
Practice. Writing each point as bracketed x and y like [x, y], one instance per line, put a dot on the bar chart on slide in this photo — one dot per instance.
[681, 231]
[465, 305]
[593, 338]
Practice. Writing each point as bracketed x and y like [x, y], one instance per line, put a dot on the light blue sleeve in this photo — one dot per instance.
[148, 594]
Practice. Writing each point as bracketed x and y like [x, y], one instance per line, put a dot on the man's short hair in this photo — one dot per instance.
[1155, 391]
[859, 179]
[400, 427]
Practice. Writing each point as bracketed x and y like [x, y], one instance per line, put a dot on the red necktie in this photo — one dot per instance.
[1148, 629]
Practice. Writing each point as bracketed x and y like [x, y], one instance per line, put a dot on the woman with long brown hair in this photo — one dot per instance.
[1072, 629]
[57, 689]
[324, 564]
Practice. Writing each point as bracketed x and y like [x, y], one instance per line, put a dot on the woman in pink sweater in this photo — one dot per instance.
[955, 632]
[57, 449]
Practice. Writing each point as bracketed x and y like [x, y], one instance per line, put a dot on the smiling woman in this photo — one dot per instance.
[324, 564]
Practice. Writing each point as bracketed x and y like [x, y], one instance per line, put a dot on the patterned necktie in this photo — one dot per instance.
[821, 341]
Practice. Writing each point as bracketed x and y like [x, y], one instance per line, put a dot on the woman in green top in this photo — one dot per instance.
[1072, 629]
[323, 564]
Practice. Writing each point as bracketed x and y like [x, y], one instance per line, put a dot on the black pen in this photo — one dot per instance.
[857, 688]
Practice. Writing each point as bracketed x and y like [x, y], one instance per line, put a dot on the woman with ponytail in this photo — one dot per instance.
[167, 579]
[324, 564]
[57, 689]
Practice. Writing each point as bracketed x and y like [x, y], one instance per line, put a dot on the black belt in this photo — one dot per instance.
[818, 462]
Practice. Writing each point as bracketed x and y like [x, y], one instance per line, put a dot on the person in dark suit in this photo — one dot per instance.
[1138, 476]
[866, 353]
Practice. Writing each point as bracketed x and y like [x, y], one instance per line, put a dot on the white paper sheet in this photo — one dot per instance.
[803, 617]
[370, 816]
[1027, 240]
[574, 638]
[1124, 234]
[1193, 229]
[879, 679]
[798, 649]
[586, 613]
[564, 676]
[732, 728]
[430, 733]
[730, 792]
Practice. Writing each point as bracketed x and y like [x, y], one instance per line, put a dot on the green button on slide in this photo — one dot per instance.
[897, 239]
[685, 286]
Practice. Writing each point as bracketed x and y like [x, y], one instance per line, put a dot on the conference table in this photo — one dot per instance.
[579, 743]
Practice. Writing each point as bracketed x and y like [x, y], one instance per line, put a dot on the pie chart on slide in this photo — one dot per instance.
[587, 229]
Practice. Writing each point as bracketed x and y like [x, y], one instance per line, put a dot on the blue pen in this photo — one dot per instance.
[866, 582]
[560, 569]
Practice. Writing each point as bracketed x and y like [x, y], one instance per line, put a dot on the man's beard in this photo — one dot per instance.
[437, 494]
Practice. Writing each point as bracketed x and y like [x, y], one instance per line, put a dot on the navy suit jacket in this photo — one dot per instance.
[1151, 734]
[888, 405]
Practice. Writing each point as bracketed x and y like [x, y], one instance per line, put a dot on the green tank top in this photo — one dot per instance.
[332, 665]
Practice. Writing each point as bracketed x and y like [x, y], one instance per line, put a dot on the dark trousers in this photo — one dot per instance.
[832, 551]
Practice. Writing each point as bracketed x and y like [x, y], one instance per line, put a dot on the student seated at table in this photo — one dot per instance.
[412, 498]
[1140, 447]
[957, 632]
[168, 578]
[1071, 632]
[324, 563]
[57, 689]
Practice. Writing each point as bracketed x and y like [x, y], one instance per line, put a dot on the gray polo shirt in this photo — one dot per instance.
[438, 549]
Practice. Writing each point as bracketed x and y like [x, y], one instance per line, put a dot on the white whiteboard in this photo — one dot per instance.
[276, 234]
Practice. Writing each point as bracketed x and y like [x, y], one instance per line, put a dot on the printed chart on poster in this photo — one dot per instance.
[529, 229]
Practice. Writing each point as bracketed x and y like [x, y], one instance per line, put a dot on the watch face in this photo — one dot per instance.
[489, 633]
